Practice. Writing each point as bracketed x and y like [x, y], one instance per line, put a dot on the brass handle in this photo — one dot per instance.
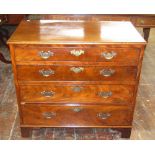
[46, 73]
[45, 55]
[77, 109]
[77, 89]
[77, 69]
[103, 115]
[107, 72]
[77, 52]
[47, 93]
[49, 115]
[3, 20]
[142, 21]
[108, 55]
[105, 94]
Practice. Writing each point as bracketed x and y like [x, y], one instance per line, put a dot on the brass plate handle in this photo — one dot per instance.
[105, 94]
[77, 69]
[108, 55]
[77, 89]
[46, 73]
[47, 93]
[45, 55]
[49, 115]
[142, 21]
[103, 115]
[77, 109]
[107, 72]
[77, 53]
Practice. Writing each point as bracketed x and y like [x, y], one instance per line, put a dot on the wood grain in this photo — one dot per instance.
[66, 35]
[121, 94]
[143, 122]
[31, 53]
[64, 73]
[75, 32]
[65, 116]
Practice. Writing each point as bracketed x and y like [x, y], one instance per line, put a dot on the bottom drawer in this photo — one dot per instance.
[76, 116]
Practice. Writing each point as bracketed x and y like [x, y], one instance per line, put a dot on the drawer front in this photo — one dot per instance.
[76, 116]
[75, 73]
[110, 94]
[148, 21]
[77, 54]
[113, 18]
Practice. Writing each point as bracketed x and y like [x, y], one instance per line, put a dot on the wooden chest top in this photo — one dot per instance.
[75, 32]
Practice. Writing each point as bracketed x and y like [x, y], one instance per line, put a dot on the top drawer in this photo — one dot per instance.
[145, 22]
[101, 54]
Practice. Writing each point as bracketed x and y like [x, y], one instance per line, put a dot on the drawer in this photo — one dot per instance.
[75, 73]
[106, 53]
[147, 21]
[60, 93]
[76, 116]
[112, 18]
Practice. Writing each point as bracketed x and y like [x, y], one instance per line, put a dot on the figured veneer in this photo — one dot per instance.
[76, 116]
[84, 53]
[75, 93]
[76, 74]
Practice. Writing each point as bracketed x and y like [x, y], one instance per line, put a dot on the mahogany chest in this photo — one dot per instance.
[76, 73]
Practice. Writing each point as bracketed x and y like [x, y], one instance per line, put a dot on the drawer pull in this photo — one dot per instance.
[77, 52]
[47, 93]
[103, 115]
[46, 73]
[77, 109]
[49, 115]
[77, 69]
[108, 55]
[142, 21]
[77, 89]
[107, 72]
[46, 55]
[105, 94]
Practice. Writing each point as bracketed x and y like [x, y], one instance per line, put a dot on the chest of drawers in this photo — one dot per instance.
[76, 73]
